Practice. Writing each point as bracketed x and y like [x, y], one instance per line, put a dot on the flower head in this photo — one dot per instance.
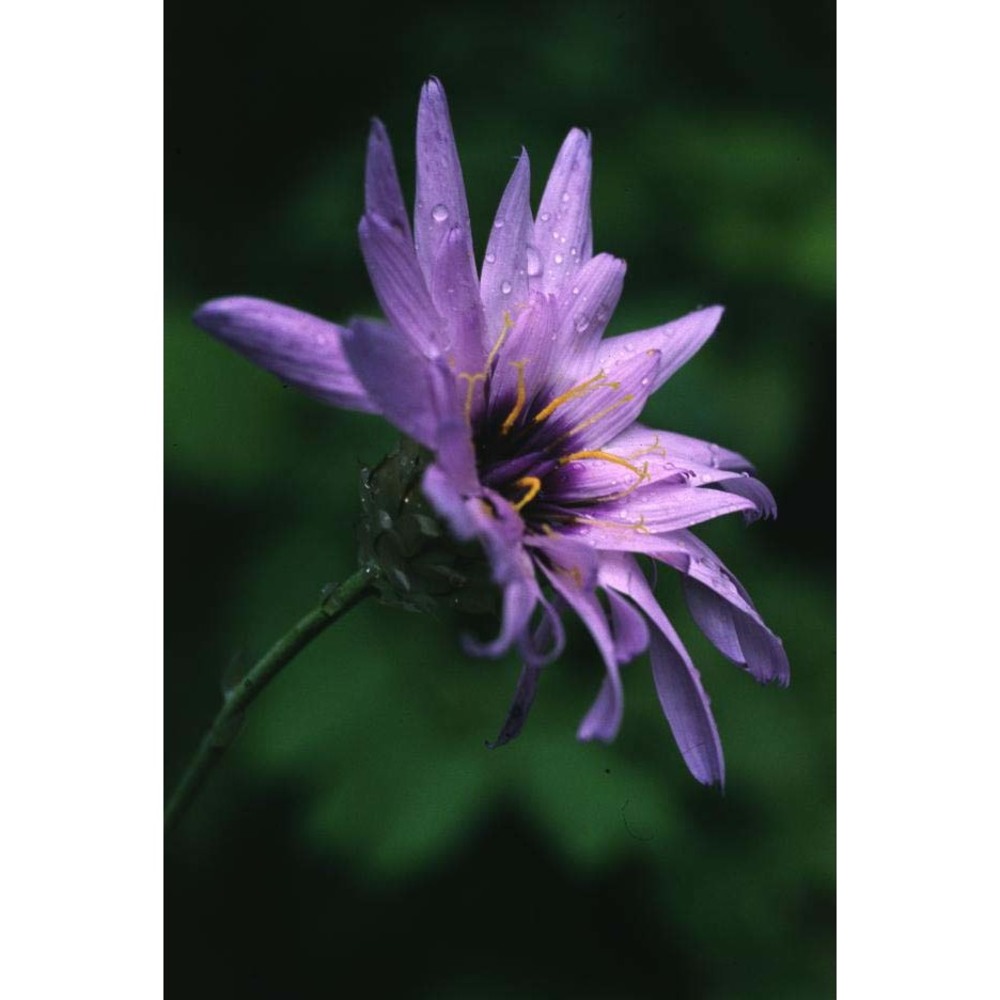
[529, 419]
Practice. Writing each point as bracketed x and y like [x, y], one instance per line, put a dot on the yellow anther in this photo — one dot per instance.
[639, 526]
[653, 449]
[519, 402]
[533, 484]
[578, 390]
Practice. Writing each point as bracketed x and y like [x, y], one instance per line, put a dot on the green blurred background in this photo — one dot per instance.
[359, 839]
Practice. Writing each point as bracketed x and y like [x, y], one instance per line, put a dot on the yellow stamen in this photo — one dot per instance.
[472, 380]
[508, 323]
[519, 402]
[578, 390]
[653, 449]
[533, 484]
[604, 456]
[639, 526]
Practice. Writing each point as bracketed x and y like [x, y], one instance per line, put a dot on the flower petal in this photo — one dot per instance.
[504, 282]
[399, 284]
[455, 291]
[678, 684]
[383, 194]
[585, 305]
[517, 714]
[441, 202]
[654, 509]
[677, 341]
[300, 349]
[416, 394]
[631, 634]
[604, 719]
[562, 235]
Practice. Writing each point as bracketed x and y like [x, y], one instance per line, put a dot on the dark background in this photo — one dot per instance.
[359, 839]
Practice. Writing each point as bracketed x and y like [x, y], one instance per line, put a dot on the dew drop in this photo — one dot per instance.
[581, 322]
[573, 251]
[439, 213]
[545, 216]
[498, 224]
[630, 348]
[534, 262]
[645, 381]
[505, 287]
[491, 258]
[576, 289]
[320, 339]
[565, 197]
[558, 258]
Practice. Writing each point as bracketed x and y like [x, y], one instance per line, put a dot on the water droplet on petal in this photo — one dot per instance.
[581, 322]
[545, 216]
[320, 339]
[439, 213]
[573, 251]
[491, 258]
[558, 258]
[565, 197]
[534, 262]
[630, 348]
[498, 224]
[576, 289]
[645, 381]
[505, 287]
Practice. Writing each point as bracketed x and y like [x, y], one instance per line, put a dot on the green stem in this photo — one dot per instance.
[224, 728]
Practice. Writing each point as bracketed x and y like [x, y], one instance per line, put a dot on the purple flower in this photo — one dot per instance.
[531, 421]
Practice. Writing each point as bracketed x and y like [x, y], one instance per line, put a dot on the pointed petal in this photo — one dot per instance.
[677, 341]
[300, 349]
[519, 599]
[383, 194]
[399, 284]
[440, 202]
[504, 282]
[416, 394]
[678, 684]
[562, 234]
[678, 448]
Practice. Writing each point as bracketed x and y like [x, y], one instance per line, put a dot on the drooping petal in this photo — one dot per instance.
[383, 194]
[677, 341]
[517, 714]
[300, 349]
[504, 282]
[562, 236]
[678, 684]
[604, 719]
[687, 709]
[631, 634]
[417, 394]
[519, 600]
[399, 284]
[724, 612]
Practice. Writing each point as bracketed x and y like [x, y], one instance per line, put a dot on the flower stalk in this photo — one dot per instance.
[335, 605]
